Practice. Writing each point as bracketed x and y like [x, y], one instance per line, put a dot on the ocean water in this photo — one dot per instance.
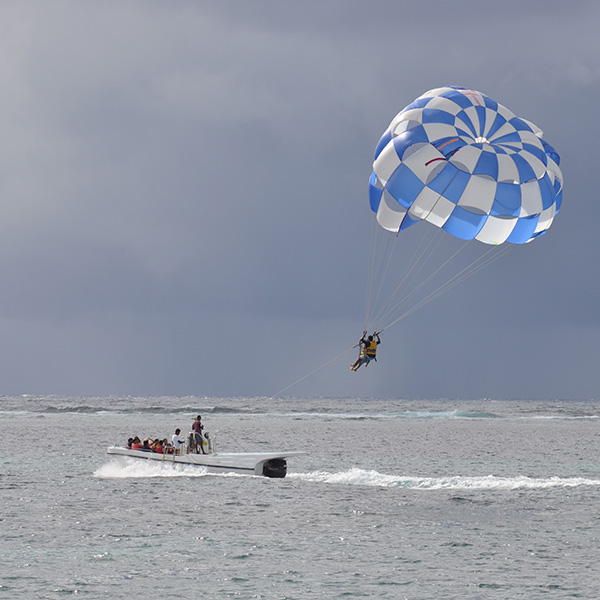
[415, 499]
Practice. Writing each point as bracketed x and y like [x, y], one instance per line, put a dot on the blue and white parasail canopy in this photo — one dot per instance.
[465, 163]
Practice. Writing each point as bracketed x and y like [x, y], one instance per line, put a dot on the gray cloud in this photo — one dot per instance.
[183, 201]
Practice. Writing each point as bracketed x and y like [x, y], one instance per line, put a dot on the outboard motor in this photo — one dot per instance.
[276, 467]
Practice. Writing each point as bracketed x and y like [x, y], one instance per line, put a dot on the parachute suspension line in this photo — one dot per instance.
[477, 265]
[382, 251]
[312, 372]
[423, 283]
[388, 253]
[390, 296]
[373, 254]
[460, 277]
[421, 256]
[370, 270]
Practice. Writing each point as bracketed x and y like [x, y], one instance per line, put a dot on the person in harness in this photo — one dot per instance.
[368, 350]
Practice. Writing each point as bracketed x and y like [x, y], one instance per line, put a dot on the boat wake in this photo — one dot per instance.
[458, 482]
[127, 468]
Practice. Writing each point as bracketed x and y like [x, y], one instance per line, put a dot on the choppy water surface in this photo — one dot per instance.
[395, 499]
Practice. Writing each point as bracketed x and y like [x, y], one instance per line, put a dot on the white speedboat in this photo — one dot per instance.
[269, 464]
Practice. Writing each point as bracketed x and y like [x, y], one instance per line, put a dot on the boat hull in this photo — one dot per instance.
[268, 464]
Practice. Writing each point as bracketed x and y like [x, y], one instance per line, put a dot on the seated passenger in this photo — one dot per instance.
[137, 443]
[129, 442]
[147, 445]
[177, 443]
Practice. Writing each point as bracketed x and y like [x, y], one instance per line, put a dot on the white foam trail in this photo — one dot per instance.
[124, 468]
[458, 482]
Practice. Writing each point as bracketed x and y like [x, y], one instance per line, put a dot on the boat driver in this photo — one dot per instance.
[197, 429]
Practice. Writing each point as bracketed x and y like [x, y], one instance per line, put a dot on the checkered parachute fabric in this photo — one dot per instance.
[465, 163]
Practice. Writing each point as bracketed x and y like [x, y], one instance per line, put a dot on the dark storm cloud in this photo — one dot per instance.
[183, 196]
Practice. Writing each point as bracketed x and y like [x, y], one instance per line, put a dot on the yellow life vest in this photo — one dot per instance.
[371, 349]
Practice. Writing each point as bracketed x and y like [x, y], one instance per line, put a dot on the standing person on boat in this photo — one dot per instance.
[198, 428]
[368, 350]
[177, 443]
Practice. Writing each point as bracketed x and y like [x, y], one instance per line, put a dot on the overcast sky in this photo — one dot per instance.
[184, 208]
